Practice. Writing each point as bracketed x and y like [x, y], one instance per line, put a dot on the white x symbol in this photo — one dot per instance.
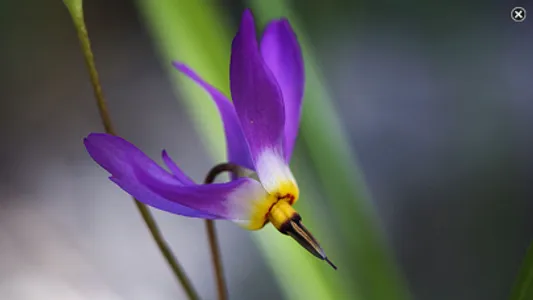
[518, 14]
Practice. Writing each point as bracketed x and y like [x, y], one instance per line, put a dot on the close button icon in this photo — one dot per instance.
[518, 14]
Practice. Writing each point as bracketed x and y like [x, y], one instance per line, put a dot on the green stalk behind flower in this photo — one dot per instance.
[337, 169]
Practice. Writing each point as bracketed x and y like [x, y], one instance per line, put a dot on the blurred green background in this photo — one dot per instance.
[414, 157]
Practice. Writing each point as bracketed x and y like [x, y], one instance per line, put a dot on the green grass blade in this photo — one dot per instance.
[523, 289]
[336, 167]
[191, 31]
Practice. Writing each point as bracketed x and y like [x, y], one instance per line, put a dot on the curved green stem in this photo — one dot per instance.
[75, 7]
[222, 289]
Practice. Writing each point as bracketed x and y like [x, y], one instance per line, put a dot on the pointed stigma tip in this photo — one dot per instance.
[330, 263]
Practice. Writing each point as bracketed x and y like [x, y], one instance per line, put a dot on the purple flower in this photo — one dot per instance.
[261, 125]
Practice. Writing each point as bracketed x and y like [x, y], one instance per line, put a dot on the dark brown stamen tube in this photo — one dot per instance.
[295, 229]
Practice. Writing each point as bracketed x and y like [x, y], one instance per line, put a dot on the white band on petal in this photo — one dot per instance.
[273, 172]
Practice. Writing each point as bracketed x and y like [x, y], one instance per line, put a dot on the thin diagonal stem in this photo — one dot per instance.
[211, 230]
[75, 8]
[173, 263]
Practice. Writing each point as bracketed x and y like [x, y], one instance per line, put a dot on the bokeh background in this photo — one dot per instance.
[435, 102]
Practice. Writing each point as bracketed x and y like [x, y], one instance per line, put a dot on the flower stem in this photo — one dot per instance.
[75, 8]
[216, 259]
[211, 230]
[177, 269]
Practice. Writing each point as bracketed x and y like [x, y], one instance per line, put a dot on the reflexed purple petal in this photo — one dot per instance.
[119, 156]
[178, 173]
[236, 144]
[282, 54]
[259, 105]
[122, 159]
[236, 200]
[140, 192]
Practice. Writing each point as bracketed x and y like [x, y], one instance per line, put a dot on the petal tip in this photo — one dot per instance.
[247, 20]
[89, 137]
[285, 22]
[99, 140]
[90, 140]
[281, 26]
[287, 26]
[98, 136]
[178, 64]
[186, 70]
[247, 13]
[164, 155]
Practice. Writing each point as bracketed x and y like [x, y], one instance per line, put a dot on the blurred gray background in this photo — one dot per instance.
[437, 99]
